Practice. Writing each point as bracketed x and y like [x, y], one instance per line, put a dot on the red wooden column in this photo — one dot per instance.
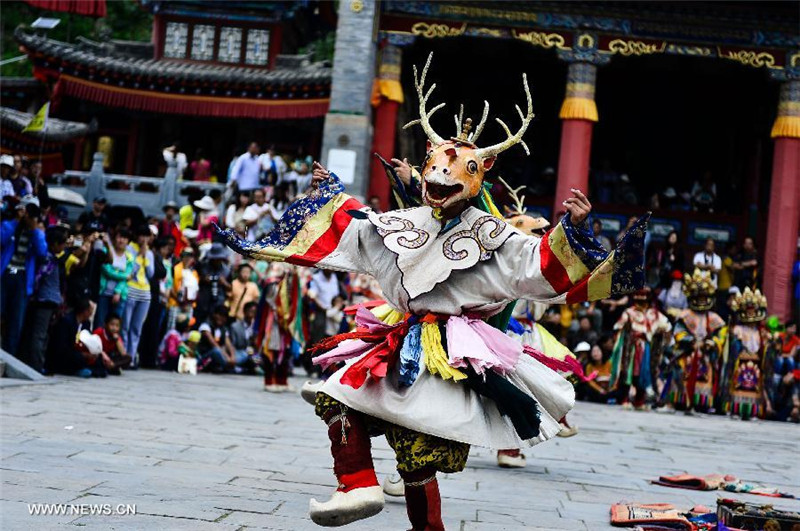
[387, 95]
[784, 204]
[578, 114]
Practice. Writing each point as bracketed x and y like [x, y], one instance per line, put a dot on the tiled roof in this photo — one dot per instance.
[125, 59]
[57, 130]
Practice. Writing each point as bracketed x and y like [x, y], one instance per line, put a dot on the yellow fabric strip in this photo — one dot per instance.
[786, 127]
[387, 314]
[600, 282]
[559, 245]
[579, 109]
[435, 356]
[552, 347]
[493, 210]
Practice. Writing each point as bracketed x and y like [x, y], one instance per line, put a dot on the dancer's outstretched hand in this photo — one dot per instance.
[403, 170]
[319, 174]
[577, 206]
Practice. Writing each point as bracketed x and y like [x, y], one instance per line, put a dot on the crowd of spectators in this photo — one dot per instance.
[153, 290]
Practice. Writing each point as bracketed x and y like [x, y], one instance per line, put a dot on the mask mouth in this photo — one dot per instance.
[439, 193]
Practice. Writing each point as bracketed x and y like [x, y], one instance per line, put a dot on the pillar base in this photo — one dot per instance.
[349, 132]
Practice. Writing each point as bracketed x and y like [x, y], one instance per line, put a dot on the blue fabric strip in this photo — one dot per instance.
[583, 243]
[410, 354]
[629, 274]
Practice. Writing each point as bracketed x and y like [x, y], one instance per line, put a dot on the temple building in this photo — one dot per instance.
[691, 110]
[216, 75]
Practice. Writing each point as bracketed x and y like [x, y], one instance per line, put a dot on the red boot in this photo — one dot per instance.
[358, 495]
[423, 503]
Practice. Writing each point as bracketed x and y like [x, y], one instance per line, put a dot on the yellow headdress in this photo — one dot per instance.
[750, 306]
[699, 289]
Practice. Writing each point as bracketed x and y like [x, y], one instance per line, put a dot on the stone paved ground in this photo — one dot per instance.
[215, 452]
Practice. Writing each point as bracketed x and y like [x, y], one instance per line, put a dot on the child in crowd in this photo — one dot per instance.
[185, 285]
[169, 350]
[187, 353]
[113, 346]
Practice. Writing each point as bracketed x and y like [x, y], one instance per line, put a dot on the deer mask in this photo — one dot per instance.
[453, 169]
[518, 216]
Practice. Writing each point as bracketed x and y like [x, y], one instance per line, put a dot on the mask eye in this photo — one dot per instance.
[472, 166]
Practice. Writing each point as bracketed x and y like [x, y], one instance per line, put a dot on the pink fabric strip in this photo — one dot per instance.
[481, 345]
[569, 364]
[355, 347]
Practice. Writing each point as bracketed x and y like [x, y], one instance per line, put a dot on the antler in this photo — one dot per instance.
[459, 118]
[424, 116]
[519, 201]
[478, 130]
[512, 139]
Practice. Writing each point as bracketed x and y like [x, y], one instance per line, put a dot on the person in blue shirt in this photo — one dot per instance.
[22, 245]
[49, 283]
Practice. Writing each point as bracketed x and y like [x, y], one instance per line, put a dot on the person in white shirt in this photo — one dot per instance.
[173, 152]
[246, 172]
[259, 217]
[708, 260]
[273, 164]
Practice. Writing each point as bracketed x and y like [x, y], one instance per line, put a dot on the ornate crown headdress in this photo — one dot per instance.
[751, 306]
[464, 134]
[698, 284]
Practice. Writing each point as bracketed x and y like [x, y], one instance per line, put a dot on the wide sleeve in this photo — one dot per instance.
[568, 265]
[323, 228]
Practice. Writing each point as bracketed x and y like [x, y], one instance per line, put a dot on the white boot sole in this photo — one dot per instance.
[345, 508]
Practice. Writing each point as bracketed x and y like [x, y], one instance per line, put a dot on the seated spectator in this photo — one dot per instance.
[673, 299]
[65, 353]
[243, 291]
[596, 389]
[96, 219]
[597, 230]
[243, 337]
[170, 349]
[114, 275]
[22, 245]
[215, 352]
[782, 391]
[581, 352]
[46, 299]
[113, 346]
[584, 333]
